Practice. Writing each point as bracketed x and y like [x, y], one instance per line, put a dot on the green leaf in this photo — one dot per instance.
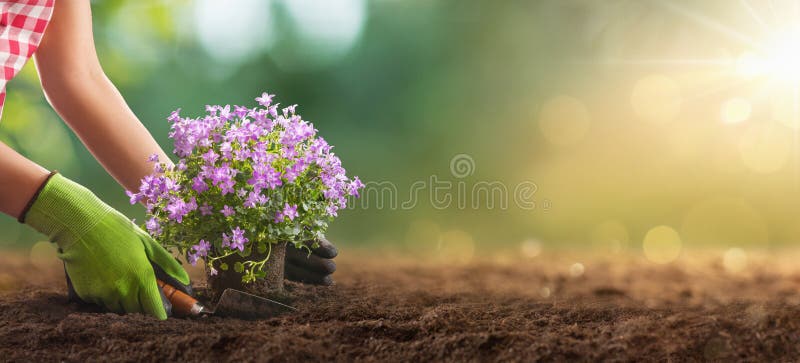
[223, 266]
[262, 248]
[238, 267]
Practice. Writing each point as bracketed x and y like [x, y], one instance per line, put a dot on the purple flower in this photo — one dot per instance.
[212, 272]
[135, 197]
[225, 113]
[210, 157]
[265, 99]
[289, 211]
[153, 226]
[227, 186]
[226, 240]
[240, 111]
[153, 158]
[289, 152]
[355, 185]
[177, 208]
[261, 118]
[206, 210]
[242, 154]
[265, 176]
[255, 199]
[238, 239]
[289, 110]
[318, 147]
[332, 210]
[226, 149]
[175, 116]
[227, 211]
[294, 171]
[170, 185]
[202, 248]
[198, 184]
[221, 174]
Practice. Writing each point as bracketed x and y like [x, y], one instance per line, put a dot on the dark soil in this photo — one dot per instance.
[384, 309]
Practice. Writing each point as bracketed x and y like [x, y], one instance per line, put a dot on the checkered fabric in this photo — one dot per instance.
[22, 24]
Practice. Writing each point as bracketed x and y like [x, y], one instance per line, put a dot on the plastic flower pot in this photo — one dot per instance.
[270, 285]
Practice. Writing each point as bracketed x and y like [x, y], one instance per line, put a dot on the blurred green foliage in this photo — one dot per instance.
[422, 81]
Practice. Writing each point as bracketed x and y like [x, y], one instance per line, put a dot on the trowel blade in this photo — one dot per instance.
[239, 304]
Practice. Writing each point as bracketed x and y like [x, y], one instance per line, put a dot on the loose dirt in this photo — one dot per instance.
[387, 308]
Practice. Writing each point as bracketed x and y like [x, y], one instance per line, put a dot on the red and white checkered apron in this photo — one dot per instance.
[22, 24]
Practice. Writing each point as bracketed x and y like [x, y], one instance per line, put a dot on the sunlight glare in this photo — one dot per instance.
[778, 58]
[783, 55]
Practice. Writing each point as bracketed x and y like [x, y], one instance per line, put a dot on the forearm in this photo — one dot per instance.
[19, 180]
[94, 109]
[78, 89]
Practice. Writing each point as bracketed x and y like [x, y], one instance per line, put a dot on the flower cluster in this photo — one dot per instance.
[246, 178]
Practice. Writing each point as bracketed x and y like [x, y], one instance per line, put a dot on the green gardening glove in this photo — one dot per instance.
[109, 260]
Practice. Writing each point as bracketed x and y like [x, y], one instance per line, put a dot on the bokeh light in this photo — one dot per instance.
[326, 30]
[531, 248]
[662, 245]
[734, 260]
[234, 31]
[576, 269]
[736, 110]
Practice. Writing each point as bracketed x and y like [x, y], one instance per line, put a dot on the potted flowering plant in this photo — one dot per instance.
[248, 181]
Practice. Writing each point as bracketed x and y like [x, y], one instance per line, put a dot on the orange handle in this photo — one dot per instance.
[182, 304]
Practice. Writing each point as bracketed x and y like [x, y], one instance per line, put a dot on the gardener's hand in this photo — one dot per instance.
[313, 269]
[109, 260]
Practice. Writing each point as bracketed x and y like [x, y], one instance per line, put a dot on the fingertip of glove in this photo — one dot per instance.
[326, 250]
[183, 283]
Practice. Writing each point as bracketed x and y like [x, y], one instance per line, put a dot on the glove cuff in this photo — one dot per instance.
[25, 210]
[64, 210]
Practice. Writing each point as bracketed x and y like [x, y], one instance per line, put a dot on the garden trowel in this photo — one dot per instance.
[233, 303]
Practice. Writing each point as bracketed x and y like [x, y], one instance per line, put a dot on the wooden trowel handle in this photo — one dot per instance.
[182, 303]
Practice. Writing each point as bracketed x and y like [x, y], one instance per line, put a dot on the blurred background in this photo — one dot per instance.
[646, 126]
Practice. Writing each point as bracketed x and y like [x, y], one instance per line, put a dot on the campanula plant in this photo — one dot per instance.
[246, 179]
